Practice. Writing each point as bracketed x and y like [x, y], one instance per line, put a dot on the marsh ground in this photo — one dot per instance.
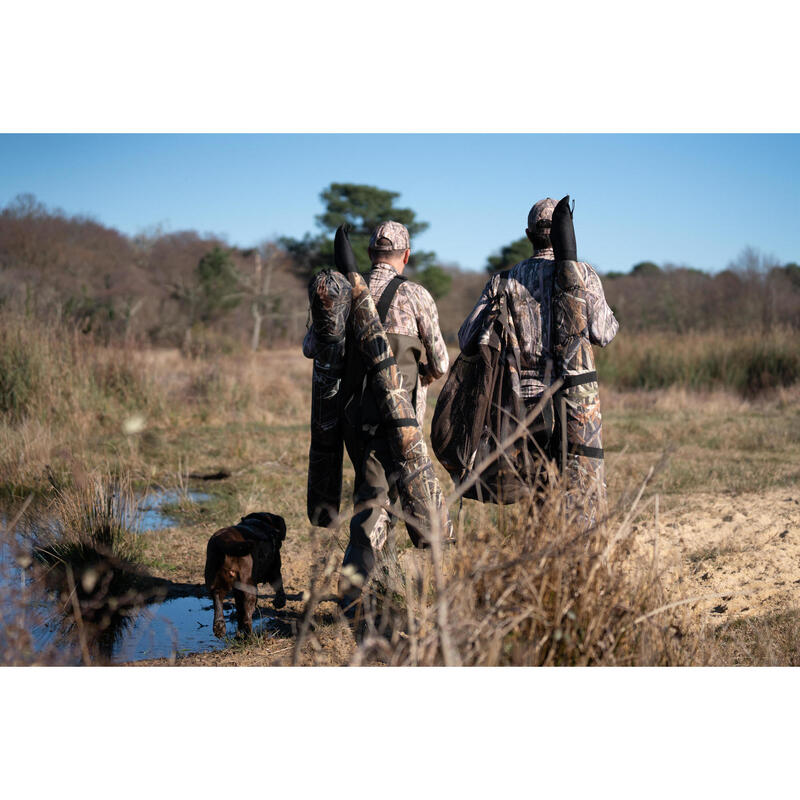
[726, 534]
[727, 531]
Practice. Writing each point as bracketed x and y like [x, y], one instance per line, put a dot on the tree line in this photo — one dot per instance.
[199, 292]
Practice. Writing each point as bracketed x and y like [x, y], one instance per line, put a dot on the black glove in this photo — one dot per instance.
[343, 256]
[562, 233]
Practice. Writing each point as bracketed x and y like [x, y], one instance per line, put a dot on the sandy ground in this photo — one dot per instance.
[741, 553]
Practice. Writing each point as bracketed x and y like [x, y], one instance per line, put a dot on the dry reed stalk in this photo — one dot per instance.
[542, 593]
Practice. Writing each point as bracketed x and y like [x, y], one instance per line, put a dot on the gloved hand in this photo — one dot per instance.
[343, 256]
[562, 232]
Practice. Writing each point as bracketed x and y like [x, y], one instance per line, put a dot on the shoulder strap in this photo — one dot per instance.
[387, 295]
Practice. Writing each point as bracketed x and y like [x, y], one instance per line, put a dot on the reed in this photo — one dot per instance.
[747, 362]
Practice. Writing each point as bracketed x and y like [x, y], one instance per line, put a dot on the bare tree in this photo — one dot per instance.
[258, 285]
[262, 277]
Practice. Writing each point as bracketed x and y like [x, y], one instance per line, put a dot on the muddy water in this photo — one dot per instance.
[166, 629]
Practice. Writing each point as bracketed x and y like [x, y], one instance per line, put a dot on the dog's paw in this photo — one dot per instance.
[219, 628]
[280, 600]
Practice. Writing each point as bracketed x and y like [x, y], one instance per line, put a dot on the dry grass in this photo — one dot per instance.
[748, 362]
[521, 588]
[528, 587]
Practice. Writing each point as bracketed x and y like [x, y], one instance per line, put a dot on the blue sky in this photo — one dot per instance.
[680, 198]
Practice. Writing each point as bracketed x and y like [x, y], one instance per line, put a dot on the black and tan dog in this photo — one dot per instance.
[240, 557]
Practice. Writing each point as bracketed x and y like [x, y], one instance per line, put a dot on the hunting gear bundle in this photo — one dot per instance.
[480, 406]
[578, 399]
[330, 296]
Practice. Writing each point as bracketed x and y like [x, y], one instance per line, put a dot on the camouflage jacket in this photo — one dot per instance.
[412, 312]
[530, 291]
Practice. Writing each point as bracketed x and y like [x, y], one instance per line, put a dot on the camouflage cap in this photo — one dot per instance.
[390, 236]
[541, 215]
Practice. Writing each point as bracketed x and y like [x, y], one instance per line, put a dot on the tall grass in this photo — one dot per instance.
[88, 552]
[58, 391]
[530, 588]
[64, 398]
[747, 362]
[94, 519]
[55, 374]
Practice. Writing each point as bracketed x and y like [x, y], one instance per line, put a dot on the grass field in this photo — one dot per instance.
[711, 546]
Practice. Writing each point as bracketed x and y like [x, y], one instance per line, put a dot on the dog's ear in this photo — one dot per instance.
[237, 548]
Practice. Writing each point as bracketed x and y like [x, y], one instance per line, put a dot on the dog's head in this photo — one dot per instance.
[268, 523]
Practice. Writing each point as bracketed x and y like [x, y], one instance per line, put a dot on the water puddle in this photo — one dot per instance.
[181, 626]
[150, 514]
[32, 619]
[169, 630]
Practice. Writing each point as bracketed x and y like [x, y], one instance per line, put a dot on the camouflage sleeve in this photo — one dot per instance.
[603, 325]
[431, 336]
[472, 324]
[309, 343]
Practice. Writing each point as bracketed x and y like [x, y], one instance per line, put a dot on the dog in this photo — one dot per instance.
[240, 557]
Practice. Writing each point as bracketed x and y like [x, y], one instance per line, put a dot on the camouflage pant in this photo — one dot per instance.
[585, 476]
[371, 523]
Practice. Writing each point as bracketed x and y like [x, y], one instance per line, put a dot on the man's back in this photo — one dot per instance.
[529, 290]
[412, 315]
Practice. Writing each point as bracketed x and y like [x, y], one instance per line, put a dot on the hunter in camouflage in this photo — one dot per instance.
[539, 307]
[530, 301]
[412, 315]
[394, 461]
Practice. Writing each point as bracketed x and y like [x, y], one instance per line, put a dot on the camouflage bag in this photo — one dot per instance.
[330, 297]
[580, 420]
[481, 406]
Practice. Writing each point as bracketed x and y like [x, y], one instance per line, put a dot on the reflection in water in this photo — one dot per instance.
[167, 629]
[180, 626]
[161, 630]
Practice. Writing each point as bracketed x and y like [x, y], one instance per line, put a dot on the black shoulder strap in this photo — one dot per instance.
[387, 296]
